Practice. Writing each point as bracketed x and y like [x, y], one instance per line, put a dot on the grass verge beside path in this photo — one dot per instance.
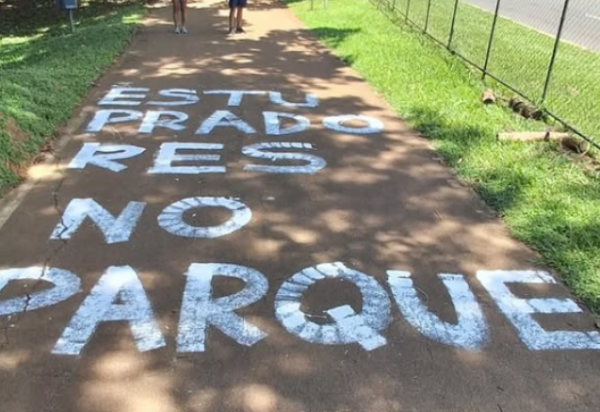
[45, 71]
[546, 199]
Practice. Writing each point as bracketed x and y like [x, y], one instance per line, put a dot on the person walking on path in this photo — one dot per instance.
[179, 7]
[238, 5]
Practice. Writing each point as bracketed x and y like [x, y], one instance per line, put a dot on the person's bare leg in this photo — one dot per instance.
[175, 14]
[231, 18]
[183, 15]
[240, 14]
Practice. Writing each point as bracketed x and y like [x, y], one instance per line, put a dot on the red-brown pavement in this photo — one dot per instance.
[178, 307]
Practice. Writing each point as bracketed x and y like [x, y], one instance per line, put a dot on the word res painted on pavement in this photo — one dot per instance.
[119, 295]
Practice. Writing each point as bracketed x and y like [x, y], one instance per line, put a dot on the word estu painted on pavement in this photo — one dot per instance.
[118, 295]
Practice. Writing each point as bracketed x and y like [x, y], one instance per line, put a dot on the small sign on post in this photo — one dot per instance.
[69, 6]
[312, 4]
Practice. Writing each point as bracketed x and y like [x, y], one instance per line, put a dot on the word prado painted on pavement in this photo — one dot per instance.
[118, 295]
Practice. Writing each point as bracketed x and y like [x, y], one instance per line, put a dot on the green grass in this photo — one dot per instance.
[521, 57]
[44, 72]
[545, 197]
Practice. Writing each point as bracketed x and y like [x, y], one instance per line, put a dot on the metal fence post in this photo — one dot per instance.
[71, 21]
[427, 17]
[555, 51]
[451, 36]
[407, 9]
[489, 48]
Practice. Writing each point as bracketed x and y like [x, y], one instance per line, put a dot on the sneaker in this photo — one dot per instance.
[231, 31]
[184, 30]
[240, 30]
[176, 31]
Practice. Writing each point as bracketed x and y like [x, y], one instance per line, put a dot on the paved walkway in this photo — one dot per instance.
[291, 248]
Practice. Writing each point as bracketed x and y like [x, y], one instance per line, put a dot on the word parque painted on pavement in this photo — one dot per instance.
[119, 295]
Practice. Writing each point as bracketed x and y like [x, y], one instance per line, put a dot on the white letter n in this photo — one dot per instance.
[115, 229]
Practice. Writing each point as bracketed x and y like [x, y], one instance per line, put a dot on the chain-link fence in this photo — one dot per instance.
[547, 51]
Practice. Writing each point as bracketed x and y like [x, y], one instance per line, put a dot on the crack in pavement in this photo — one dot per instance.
[14, 322]
[6, 336]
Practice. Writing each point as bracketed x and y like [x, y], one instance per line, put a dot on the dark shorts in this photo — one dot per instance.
[237, 3]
